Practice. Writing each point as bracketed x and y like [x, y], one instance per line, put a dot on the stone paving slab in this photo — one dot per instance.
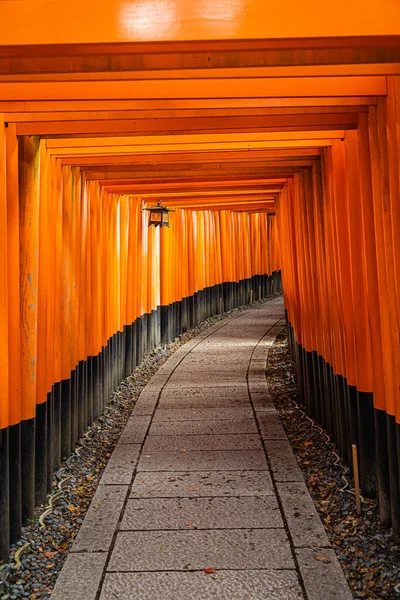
[221, 346]
[200, 358]
[271, 426]
[97, 530]
[196, 550]
[212, 366]
[214, 460]
[322, 578]
[174, 360]
[202, 483]
[157, 380]
[208, 345]
[80, 577]
[257, 386]
[202, 414]
[201, 513]
[168, 443]
[122, 464]
[283, 461]
[203, 427]
[258, 360]
[257, 371]
[262, 401]
[211, 379]
[135, 429]
[208, 401]
[223, 585]
[302, 518]
[195, 395]
[146, 403]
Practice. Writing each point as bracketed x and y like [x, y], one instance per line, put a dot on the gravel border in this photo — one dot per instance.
[368, 555]
[38, 557]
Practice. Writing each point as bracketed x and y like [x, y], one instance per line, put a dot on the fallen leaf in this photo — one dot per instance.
[209, 570]
[71, 508]
[50, 554]
[323, 559]
[308, 443]
[192, 490]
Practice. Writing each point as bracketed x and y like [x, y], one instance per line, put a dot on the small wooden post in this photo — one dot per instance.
[251, 296]
[220, 305]
[356, 479]
[259, 292]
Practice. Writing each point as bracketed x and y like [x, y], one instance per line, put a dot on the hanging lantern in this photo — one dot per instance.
[159, 215]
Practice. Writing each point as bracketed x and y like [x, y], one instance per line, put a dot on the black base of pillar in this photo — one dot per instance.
[4, 494]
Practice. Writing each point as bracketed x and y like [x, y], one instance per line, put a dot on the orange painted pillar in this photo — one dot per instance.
[29, 173]
[13, 278]
[384, 251]
[45, 254]
[4, 382]
[56, 208]
[4, 360]
[393, 156]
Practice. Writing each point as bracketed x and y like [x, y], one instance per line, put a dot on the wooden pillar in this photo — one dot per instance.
[14, 374]
[4, 381]
[29, 167]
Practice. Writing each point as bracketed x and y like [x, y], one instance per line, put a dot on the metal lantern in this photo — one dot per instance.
[159, 215]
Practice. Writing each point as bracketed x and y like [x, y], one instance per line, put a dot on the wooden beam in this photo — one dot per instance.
[180, 21]
[205, 88]
[163, 74]
[189, 125]
[95, 115]
[193, 142]
[172, 185]
[127, 163]
[61, 106]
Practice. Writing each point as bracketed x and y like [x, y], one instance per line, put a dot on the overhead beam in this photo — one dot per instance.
[205, 201]
[182, 21]
[60, 106]
[185, 125]
[172, 185]
[76, 154]
[205, 88]
[192, 142]
[94, 115]
[127, 163]
[163, 74]
[236, 207]
[200, 195]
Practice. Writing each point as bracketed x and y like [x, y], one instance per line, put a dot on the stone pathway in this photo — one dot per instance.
[203, 498]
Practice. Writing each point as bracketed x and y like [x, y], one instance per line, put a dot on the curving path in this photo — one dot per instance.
[204, 479]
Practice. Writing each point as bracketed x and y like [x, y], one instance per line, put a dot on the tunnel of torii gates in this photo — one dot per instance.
[273, 131]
